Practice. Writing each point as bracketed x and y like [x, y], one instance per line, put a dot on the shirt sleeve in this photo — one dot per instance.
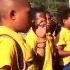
[60, 39]
[7, 51]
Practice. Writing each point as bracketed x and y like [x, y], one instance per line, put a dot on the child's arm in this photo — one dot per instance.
[61, 52]
[5, 68]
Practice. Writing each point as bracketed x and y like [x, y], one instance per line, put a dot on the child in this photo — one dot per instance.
[49, 42]
[13, 19]
[39, 22]
[51, 30]
[63, 39]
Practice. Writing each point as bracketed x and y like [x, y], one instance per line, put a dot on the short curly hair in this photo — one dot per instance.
[63, 13]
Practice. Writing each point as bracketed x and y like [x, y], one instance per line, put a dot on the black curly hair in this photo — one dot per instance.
[63, 13]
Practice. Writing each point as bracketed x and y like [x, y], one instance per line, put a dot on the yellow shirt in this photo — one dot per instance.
[63, 38]
[48, 53]
[8, 47]
[31, 39]
[7, 51]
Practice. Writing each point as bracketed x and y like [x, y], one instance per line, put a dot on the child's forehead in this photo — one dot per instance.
[40, 14]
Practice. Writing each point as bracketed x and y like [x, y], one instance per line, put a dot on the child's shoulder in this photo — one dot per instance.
[64, 31]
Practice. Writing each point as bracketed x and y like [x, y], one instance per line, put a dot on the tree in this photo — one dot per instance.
[38, 2]
[51, 5]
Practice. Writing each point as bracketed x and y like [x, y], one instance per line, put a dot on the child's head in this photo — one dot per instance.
[15, 14]
[38, 15]
[64, 17]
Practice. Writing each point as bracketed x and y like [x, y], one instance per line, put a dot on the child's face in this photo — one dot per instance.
[67, 22]
[22, 21]
[48, 20]
[40, 24]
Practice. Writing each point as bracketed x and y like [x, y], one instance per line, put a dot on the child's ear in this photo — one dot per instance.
[13, 15]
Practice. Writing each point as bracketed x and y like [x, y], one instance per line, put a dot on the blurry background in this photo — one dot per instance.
[51, 5]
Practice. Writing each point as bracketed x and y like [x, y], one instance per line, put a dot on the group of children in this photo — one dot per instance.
[41, 48]
[56, 49]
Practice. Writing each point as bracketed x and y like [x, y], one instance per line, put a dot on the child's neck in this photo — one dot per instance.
[66, 27]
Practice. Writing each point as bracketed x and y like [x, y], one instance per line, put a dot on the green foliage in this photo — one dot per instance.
[38, 2]
[61, 0]
[52, 5]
